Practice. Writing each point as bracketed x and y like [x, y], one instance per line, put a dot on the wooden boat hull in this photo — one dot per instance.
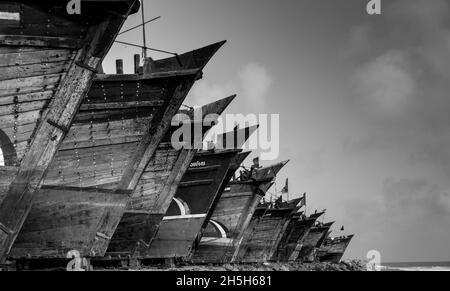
[119, 126]
[263, 235]
[48, 60]
[333, 250]
[175, 237]
[234, 208]
[294, 235]
[155, 191]
[231, 217]
[65, 219]
[312, 242]
[186, 215]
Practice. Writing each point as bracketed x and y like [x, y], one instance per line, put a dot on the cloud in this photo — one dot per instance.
[408, 200]
[433, 151]
[311, 163]
[255, 82]
[205, 92]
[399, 72]
[252, 84]
[400, 75]
[386, 83]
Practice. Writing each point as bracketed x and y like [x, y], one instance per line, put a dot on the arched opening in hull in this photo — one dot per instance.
[8, 156]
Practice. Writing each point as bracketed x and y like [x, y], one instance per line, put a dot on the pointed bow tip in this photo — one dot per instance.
[284, 163]
[329, 224]
[224, 103]
[206, 53]
[218, 107]
[220, 43]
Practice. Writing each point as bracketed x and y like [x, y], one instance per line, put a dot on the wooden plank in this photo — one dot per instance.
[65, 218]
[33, 57]
[9, 121]
[28, 84]
[33, 70]
[120, 105]
[23, 107]
[30, 97]
[40, 41]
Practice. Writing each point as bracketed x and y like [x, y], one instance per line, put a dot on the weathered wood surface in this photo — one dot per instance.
[302, 229]
[263, 235]
[333, 249]
[156, 189]
[100, 146]
[294, 235]
[71, 216]
[234, 212]
[159, 127]
[97, 30]
[193, 60]
[186, 215]
[312, 242]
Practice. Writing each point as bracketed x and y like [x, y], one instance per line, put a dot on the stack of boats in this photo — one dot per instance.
[90, 167]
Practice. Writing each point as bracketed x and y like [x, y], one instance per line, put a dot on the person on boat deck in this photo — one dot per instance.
[255, 165]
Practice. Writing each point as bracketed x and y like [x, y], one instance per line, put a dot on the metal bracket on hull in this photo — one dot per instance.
[58, 126]
[84, 66]
[5, 229]
[102, 236]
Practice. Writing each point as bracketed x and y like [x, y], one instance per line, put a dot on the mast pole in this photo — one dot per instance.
[144, 49]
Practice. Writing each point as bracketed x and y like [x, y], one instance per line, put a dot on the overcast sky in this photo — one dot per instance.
[362, 99]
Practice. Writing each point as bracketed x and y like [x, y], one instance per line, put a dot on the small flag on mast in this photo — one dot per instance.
[342, 228]
[303, 202]
[285, 189]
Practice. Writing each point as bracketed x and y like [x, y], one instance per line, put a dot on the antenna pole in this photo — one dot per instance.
[144, 49]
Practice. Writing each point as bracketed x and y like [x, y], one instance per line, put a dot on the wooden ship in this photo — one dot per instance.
[289, 249]
[232, 215]
[227, 146]
[88, 160]
[333, 249]
[48, 60]
[158, 185]
[113, 137]
[293, 237]
[264, 232]
[313, 241]
[191, 204]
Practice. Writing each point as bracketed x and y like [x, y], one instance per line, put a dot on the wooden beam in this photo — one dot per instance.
[53, 127]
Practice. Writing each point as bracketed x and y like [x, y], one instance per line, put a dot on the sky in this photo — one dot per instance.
[362, 103]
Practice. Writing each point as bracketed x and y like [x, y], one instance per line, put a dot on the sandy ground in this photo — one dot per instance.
[344, 266]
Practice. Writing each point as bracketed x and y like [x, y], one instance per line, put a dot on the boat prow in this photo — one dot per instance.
[194, 60]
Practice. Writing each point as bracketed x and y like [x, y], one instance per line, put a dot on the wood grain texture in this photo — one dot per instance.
[234, 212]
[263, 235]
[70, 89]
